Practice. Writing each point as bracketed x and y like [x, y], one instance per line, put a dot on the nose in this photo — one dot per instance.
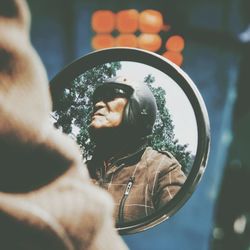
[99, 105]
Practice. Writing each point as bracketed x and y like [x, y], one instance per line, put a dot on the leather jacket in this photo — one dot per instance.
[140, 183]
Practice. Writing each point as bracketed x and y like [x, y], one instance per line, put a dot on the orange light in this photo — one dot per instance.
[127, 21]
[150, 21]
[101, 41]
[103, 21]
[151, 42]
[126, 40]
[174, 57]
[175, 43]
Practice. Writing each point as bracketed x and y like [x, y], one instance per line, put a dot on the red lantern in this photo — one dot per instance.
[150, 21]
[126, 40]
[127, 21]
[151, 42]
[175, 43]
[101, 41]
[174, 57]
[103, 21]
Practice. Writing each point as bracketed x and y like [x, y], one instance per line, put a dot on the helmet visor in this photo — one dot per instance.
[108, 92]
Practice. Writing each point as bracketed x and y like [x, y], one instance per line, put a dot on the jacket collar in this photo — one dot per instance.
[116, 163]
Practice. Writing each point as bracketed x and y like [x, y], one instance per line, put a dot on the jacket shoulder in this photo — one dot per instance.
[153, 155]
[167, 153]
[153, 152]
[160, 161]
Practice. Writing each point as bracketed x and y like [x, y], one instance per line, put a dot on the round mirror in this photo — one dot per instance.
[142, 127]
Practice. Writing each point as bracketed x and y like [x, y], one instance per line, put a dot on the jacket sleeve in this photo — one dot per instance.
[168, 180]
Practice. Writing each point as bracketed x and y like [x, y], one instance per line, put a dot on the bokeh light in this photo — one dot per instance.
[151, 42]
[126, 40]
[101, 41]
[175, 43]
[150, 21]
[127, 21]
[175, 57]
[103, 21]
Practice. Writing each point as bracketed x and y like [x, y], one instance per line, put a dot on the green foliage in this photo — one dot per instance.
[73, 114]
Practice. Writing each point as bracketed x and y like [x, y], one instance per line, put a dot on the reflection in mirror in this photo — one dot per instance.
[137, 131]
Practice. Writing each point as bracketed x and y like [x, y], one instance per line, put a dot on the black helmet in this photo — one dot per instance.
[140, 111]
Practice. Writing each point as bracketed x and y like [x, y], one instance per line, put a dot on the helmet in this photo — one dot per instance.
[140, 112]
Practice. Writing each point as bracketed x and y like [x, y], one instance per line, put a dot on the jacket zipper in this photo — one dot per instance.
[124, 198]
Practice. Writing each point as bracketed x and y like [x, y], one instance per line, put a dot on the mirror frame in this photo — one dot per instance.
[78, 67]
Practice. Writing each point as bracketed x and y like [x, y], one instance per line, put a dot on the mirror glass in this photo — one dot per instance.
[142, 129]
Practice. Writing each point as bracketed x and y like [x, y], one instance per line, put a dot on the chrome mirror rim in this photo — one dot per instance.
[70, 72]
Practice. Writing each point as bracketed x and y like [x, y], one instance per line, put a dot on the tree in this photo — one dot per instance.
[73, 114]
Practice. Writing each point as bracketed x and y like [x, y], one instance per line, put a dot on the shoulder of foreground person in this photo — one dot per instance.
[45, 201]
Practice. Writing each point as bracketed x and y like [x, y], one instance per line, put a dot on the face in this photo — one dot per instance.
[108, 114]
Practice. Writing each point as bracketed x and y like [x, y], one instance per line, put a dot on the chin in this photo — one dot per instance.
[97, 125]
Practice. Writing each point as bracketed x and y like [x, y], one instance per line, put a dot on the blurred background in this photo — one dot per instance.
[209, 40]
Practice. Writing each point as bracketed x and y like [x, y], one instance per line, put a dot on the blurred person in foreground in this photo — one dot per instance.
[45, 201]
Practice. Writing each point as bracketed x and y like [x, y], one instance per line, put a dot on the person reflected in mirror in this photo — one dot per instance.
[140, 179]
